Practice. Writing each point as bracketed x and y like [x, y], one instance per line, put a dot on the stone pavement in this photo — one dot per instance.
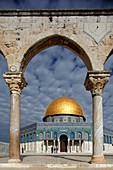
[55, 162]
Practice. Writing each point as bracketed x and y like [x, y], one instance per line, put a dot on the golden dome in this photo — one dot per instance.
[64, 105]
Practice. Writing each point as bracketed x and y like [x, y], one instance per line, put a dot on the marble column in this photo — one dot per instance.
[54, 143]
[95, 82]
[47, 146]
[68, 146]
[72, 146]
[82, 150]
[15, 82]
[79, 145]
[75, 148]
[54, 146]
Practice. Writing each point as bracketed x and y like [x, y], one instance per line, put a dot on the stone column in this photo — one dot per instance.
[54, 146]
[72, 146]
[88, 145]
[15, 82]
[54, 143]
[95, 82]
[82, 146]
[79, 145]
[33, 146]
[75, 148]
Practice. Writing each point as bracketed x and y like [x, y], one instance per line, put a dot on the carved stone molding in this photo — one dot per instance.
[96, 80]
[97, 30]
[16, 81]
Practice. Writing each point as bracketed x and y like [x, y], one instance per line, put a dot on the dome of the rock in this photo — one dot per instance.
[64, 105]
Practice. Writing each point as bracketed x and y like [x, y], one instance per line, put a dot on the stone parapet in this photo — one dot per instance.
[56, 12]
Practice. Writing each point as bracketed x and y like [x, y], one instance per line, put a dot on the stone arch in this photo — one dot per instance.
[72, 135]
[108, 56]
[4, 95]
[79, 135]
[2, 53]
[63, 143]
[65, 134]
[86, 135]
[41, 135]
[55, 40]
[55, 134]
[48, 135]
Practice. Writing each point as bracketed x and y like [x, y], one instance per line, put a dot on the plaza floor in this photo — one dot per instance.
[55, 162]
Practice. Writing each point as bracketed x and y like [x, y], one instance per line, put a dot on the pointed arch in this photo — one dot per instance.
[109, 55]
[55, 40]
[2, 54]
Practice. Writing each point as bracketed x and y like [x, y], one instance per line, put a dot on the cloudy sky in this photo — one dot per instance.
[51, 72]
[56, 4]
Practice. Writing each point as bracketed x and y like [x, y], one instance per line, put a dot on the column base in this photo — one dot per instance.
[14, 161]
[98, 160]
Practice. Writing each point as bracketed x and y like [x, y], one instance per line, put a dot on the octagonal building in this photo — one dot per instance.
[64, 129]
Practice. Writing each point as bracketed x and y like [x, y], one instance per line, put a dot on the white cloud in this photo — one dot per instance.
[4, 103]
[58, 69]
[50, 73]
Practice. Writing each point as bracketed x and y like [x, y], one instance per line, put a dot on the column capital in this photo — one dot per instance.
[15, 81]
[96, 80]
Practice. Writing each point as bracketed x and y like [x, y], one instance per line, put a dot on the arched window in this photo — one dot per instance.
[104, 139]
[112, 140]
[21, 139]
[41, 136]
[86, 136]
[30, 137]
[78, 119]
[69, 119]
[61, 119]
[64, 120]
[107, 139]
[79, 135]
[27, 137]
[72, 135]
[48, 135]
[55, 135]
[34, 136]
[24, 138]
[52, 119]
[56, 120]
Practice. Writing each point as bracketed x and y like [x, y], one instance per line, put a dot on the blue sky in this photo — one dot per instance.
[56, 4]
[51, 72]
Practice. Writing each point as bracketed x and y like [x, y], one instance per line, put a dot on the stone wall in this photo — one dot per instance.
[25, 33]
